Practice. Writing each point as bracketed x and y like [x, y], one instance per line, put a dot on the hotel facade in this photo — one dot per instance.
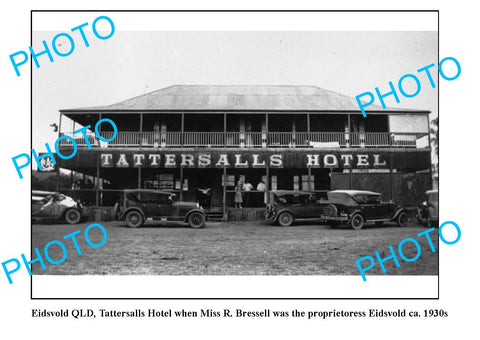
[200, 141]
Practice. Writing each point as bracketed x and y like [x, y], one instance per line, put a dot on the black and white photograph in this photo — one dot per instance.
[236, 153]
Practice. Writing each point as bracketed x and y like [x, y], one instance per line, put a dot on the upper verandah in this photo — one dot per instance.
[273, 116]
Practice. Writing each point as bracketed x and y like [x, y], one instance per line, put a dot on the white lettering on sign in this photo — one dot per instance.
[239, 163]
[170, 161]
[256, 163]
[138, 159]
[122, 161]
[202, 160]
[362, 160]
[106, 159]
[347, 159]
[154, 159]
[377, 163]
[330, 161]
[188, 160]
[222, 161]
[276, 161]
[313, 160]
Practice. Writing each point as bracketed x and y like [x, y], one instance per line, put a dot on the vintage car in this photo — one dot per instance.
[428, 211]
[288, 205]
[47, 205]
[356, 207]
[138, 205]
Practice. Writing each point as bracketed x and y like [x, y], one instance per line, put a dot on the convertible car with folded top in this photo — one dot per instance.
[47, 205]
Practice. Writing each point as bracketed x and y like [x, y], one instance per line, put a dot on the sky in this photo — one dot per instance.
[133, 63]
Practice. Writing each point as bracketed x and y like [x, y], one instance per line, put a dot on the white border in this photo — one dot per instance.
[238, 286]
[243, 21]
[165, 287]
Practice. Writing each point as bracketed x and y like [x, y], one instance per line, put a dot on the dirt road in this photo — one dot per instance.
[240, 248]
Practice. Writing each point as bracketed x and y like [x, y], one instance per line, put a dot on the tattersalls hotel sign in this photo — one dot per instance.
[243, 160]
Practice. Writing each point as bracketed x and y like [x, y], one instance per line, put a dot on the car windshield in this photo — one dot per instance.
[340, 198]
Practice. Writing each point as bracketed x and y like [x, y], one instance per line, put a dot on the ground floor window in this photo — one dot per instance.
[299, 179]
[245, 188]
[303, 182]
[161, 179]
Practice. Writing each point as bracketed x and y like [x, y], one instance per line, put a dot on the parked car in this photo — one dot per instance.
[356, 207]
[288, 205]
[47, 205]
[138, 205]
[428, 211]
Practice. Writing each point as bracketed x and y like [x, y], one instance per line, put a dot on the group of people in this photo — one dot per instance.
[243, 194]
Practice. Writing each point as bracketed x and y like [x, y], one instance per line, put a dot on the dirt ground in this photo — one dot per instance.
[231, 248]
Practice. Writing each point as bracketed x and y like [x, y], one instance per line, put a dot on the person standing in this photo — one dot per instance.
[261, 192]
[238, 195]
[247, 187]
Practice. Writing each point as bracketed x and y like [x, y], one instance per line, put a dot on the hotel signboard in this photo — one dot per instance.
[355, 159]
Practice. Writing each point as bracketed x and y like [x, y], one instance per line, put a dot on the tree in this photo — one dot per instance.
[47, 181]
[435, 146]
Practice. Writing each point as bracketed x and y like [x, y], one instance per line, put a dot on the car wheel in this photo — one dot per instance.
[357, 222]
[285, 219]
[379, 223]
[196, 220]
[134, 219]
[73, 216]
[402, 219]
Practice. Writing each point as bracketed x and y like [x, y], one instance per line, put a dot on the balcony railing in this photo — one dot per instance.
[257, 139]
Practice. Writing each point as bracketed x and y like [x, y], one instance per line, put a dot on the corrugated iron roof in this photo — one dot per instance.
[239, 98]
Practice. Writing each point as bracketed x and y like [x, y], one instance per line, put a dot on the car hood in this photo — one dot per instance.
[181, 204]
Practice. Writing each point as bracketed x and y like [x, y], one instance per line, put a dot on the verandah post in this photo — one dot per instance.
[224, 202]
[97, 182]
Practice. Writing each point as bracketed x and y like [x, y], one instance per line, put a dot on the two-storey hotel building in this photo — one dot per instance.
[200, 141]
